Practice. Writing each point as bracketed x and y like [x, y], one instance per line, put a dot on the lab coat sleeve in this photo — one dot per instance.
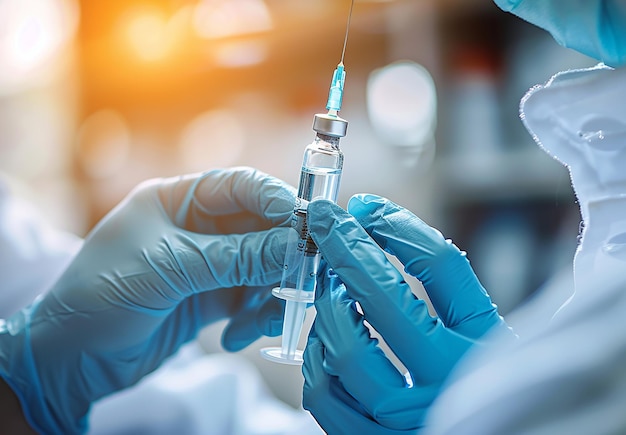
[567, 379]
[594, 28]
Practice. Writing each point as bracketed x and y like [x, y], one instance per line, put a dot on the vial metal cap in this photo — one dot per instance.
[330, 125]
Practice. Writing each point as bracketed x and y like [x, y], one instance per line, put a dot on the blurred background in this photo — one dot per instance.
[96, 96]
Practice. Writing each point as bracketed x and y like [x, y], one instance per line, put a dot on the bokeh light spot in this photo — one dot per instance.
[212, 139]
[104, 142]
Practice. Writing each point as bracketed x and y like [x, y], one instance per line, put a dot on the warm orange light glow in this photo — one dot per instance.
[103, 144]
[240, 54]
[147, 35]
[222, 18]
[212, 139]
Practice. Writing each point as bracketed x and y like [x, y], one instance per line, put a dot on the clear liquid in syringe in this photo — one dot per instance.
[319, 183]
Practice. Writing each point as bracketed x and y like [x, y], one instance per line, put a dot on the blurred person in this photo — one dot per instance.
[463, 370]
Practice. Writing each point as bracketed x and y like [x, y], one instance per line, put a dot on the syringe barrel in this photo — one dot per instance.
[322, 165]
[319, 179]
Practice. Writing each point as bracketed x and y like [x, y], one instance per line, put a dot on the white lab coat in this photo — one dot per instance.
[192, 394]
[566, 376]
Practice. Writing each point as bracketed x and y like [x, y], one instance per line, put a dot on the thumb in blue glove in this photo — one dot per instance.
[349, 382]
[176, 255]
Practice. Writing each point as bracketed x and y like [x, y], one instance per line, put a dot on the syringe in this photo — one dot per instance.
[319, 179]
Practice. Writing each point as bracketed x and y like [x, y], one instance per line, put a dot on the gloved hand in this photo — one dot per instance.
[349, 382]
[174, 256]
[596, 28]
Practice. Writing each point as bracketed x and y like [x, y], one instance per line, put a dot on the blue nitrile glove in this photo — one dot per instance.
[596, 28]
[174, 256]
[350, 385]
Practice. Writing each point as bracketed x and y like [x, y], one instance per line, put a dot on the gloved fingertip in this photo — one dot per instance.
[321, 216]
[364, 203]
[328, 281]
[273, 326]
[368, 198]
[239, 334]
[319, 208]
[231, 343]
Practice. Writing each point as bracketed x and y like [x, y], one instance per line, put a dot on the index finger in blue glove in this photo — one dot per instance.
[260, 314]
[353, 356]
[192, 263]
[387, 300]
[338, 318]
[239, 249]
[169, 264]
[327, 400]
[452, 286]
[223, 201]
[253, 312]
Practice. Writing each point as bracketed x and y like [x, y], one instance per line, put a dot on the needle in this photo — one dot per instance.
[345, 40]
